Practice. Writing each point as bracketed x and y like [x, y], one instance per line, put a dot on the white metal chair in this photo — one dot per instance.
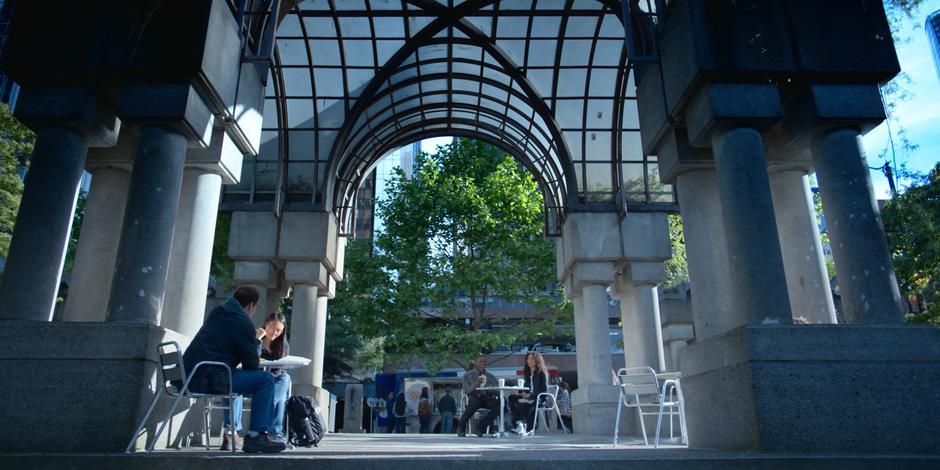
[545, 402]
[640, 389]
[218, 403]
[173, 371]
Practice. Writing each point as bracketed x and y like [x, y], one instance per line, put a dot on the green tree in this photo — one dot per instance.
[677, 268]
[16, 145]
[465, 230]
[911, 220]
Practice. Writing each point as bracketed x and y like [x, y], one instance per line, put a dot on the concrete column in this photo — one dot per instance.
[191, 260]
[707, 252]
[758, 283]
[40, 237]
[642, 328]
[595, 400]
[303, 338]
[865, 274]
[319, 341]
[803, 260]
[137, 292]
[96, 253]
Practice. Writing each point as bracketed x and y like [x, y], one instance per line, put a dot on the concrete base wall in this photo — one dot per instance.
[815, 388]
[82, 387]
[594, 408]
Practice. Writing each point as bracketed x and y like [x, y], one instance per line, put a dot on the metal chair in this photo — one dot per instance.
[640, 389]
[473, 422]
[545, 402]
[172, 370]
[218, 403]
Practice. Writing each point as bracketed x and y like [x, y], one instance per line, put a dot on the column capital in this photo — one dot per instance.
[75, 107]
[176, 106]
[822, 108]
[262, 273]
[307, 272]
[221, 157]
[717, 108]
[677, 155]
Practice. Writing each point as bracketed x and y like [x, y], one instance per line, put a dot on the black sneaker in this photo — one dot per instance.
[261, 443]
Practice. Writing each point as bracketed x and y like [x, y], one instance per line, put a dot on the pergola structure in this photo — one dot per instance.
[623, 111]
[548, 81]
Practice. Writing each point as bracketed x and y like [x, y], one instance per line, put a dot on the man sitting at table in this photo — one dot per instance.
[472, 380]
[229, 336]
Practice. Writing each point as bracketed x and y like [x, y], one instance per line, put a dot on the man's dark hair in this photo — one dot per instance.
[246, 295]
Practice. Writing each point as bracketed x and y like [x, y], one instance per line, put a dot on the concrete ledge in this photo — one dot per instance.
[78, 386]
[815, 388]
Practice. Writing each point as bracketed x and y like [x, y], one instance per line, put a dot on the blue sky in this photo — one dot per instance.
[920, 116]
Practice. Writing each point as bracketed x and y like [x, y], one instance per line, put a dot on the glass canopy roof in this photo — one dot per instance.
[548, 81]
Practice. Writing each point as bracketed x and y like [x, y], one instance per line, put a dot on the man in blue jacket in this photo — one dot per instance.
[229, 336]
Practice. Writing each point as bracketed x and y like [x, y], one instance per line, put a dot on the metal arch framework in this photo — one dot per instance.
[548, 81]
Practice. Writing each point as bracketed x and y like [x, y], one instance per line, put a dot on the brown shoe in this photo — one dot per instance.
[263, 443]
[225, 442]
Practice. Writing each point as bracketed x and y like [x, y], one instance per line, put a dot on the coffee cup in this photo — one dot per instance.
[502, 382]
[520, 383]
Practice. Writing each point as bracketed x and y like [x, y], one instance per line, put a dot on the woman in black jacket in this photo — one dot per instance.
[522, 405]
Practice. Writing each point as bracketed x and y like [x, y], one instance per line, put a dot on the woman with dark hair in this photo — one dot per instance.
[522, 405]
[424, 412]
[273, 346]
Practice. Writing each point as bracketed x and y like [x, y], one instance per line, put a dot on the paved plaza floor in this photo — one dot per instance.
[429, 451]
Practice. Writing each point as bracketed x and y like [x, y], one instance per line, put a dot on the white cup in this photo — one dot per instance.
[520, 383]
[502, 382]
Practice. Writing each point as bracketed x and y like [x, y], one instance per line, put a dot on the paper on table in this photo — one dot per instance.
[296, 361]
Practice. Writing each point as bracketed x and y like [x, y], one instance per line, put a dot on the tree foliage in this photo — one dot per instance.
[911, 220]
[677, 268]
[16, 145]
[465, 230]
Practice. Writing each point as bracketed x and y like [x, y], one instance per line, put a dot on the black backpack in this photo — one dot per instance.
[304, 421]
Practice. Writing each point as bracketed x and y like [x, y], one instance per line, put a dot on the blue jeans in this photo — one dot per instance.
[282, 385]
[260, 385]
[447, 422]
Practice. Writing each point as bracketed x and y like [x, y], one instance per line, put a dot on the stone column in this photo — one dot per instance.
[96, 253]
[137, 293]
[758, 282]
[191, 260]
[40, 237]
[171, 117]
[803, 260]
[708, 260]
[594, 401]
[303, 338]
[263, 276]
[866, 277]
[642, 327]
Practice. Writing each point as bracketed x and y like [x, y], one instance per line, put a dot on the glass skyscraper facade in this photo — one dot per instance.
[933, 35]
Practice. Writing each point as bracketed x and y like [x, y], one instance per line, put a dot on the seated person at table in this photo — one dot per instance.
[473, 379]
[536, 381]
[273, 347]
[229, 336]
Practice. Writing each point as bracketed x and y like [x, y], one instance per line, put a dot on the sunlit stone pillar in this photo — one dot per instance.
[303, 336]
[642, 326]
[96, 252]
[205, 172]
[594, 401]
[707, 252]
[803, 259]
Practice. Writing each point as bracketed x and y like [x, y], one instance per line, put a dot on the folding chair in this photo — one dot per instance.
[172, 370]
[545, 402]
[639, 389]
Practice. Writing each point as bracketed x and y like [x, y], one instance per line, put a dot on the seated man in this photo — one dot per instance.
[472, 379]
[229, 336]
